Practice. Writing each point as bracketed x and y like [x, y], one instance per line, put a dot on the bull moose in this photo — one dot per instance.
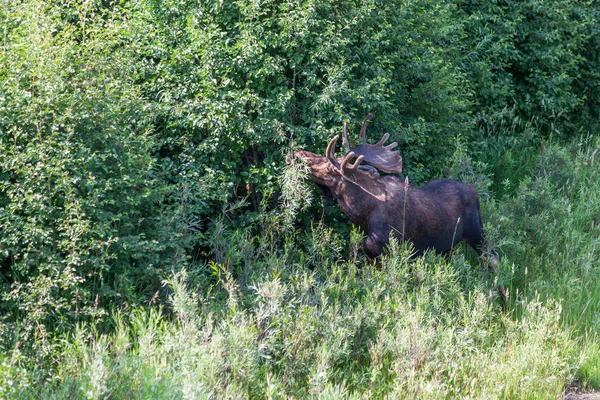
[433, 217]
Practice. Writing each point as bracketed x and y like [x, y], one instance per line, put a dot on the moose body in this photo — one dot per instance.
[433, 217]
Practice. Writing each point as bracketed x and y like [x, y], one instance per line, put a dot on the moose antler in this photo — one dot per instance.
[379, 156]
[363, 176]
[351, 168]
[344, 168]
[330, 152]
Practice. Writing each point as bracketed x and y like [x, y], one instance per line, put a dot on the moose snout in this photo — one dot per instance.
[311, 159]
[303, 154]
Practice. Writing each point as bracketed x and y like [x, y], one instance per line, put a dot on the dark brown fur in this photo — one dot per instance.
[433, 217]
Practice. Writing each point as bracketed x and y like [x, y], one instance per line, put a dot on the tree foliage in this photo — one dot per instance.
[125, 127]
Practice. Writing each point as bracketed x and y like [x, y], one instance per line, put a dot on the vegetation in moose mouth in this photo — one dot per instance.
[159, 239]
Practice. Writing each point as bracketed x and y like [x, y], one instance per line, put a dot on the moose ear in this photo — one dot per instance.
[369, 183]
[363, 176]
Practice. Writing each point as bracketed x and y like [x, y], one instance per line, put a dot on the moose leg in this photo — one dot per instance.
[372, 246]
[474, 236]
[476, 241]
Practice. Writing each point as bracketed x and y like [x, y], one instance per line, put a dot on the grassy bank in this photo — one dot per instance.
[291, 314]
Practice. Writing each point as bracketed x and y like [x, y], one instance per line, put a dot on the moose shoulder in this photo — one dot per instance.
[433, 217]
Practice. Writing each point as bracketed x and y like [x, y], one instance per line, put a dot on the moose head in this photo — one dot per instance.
[338, 176]
[369, 191]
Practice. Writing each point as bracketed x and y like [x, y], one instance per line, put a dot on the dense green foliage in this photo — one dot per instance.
[141, 139]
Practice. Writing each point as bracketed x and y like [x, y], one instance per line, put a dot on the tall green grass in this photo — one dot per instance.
[405, 330]
[289, 314]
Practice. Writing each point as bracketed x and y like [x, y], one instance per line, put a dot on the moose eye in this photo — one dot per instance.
[371, 170]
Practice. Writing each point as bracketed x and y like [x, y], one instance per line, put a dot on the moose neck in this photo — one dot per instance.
[355, 202]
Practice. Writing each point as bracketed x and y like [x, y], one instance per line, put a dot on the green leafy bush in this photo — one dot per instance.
[532, 55]
[141, 138]
[125, 128]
